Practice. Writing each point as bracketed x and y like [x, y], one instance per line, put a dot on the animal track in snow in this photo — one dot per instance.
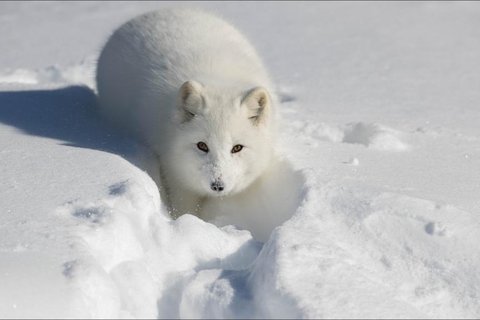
[435, 229]
[118, 189]
[91, 214]
[285, 98]
[285, 95]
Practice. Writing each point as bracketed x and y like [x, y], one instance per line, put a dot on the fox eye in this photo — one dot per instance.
[237, 148]
[202, 146]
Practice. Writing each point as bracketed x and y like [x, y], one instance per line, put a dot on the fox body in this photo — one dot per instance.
[194, 89]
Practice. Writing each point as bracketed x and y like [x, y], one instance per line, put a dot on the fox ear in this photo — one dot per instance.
[257, 101]
[190, 101]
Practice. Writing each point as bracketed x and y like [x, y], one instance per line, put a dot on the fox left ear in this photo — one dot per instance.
[190, 101]
[258, 103]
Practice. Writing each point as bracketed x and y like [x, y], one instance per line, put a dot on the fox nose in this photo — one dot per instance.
[217, 185]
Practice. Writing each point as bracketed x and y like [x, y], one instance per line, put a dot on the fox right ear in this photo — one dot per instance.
[190, 101]
[257, 102]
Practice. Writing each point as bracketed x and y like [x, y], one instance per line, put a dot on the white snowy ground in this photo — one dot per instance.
[378, 210]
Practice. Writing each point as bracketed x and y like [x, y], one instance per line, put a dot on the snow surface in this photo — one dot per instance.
[372, 213]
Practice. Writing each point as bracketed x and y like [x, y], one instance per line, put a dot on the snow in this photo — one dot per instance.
[372, 211]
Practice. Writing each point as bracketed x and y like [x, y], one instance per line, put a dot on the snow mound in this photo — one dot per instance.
[374, 136]
[55, 75]
[20, 76]
[138, 261]
[371, 135]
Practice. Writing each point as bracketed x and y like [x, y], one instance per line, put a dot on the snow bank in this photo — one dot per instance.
[345, 253]
[377, 254]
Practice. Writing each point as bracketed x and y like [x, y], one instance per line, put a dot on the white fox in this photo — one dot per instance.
[193, 88]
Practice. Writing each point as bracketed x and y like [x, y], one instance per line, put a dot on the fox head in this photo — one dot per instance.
[223, 138]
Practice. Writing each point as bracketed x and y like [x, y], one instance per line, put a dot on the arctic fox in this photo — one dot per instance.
[194, 89]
